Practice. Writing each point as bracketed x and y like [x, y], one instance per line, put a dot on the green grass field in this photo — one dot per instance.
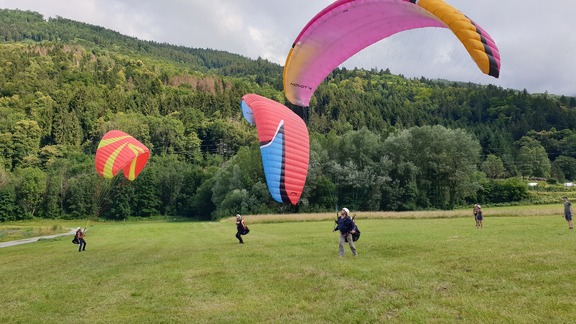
[516, 269]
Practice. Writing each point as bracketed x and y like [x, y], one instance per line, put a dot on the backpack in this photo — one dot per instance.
[75, 240]
[246, 231]
[355, 236]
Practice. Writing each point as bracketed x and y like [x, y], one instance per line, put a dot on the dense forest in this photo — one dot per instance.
[378, 141]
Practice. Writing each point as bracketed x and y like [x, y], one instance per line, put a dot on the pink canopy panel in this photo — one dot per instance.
[347, 26]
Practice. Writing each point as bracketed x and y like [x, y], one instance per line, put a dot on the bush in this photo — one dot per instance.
[551, 181]
[508, 190]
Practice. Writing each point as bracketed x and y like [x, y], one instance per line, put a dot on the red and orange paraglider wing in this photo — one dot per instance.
[120, 151]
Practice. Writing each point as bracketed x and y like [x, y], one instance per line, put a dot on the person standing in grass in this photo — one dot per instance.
[475, 211]
[346, 228]
[80, 237]
[479, 216]
[240, 228]
[568, 212]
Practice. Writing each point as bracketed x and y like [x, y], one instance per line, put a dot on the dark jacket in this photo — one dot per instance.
[345, 225]
[240, 226]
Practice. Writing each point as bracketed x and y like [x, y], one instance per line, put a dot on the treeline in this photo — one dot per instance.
[507, 123]
[378, 141]
[26, 26]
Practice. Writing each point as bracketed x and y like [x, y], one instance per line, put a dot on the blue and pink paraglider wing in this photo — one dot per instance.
[284, 145]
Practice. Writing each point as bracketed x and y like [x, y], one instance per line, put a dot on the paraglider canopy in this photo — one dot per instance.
[347, 26]
[120, 151]
[284, 145]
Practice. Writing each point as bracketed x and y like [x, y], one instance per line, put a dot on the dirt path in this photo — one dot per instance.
[33, 239]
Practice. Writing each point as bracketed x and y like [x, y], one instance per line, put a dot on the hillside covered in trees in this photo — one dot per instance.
[378, 141]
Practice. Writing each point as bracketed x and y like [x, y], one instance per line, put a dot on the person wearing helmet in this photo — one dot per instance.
[346, 228]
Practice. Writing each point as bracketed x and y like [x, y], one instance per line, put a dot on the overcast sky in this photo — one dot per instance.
[537, 39]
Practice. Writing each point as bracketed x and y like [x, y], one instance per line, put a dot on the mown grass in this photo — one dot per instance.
[515, 270]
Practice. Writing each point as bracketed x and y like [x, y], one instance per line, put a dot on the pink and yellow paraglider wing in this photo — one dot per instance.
[347, 26]
[284, 145]
[120, 151]
[476, 40]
